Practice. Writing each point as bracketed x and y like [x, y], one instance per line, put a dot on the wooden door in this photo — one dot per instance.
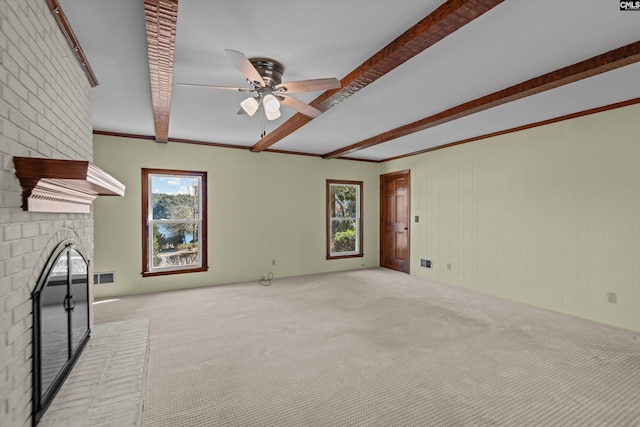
[394, 220]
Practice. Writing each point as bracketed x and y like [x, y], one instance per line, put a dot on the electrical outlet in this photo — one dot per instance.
[273, 262]
[612, 297]
[449, 266]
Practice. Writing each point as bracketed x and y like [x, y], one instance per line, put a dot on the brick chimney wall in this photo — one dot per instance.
[45, 111]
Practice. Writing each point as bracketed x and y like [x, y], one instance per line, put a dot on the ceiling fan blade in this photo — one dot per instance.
[237, 89]
[309, 85]
[245, 66]
[299, 106]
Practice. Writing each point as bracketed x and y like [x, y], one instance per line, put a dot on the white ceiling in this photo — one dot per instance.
[515, 41]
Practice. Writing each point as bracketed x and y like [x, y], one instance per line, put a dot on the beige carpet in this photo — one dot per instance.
[376, 348]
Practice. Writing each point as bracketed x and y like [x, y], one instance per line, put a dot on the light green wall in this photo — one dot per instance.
[549, 216]
[262, 206]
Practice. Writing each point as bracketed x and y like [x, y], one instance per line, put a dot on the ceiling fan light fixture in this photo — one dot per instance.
[271, 104]
[250, 105]
[272, 115]
[264, 76]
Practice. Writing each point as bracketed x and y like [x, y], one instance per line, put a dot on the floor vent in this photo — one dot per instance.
[104, 278]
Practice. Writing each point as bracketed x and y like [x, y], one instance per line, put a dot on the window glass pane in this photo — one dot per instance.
[344, 219]
[174, 210]
[344, 201]
[175, 245]
[175, 197]
[343, 236]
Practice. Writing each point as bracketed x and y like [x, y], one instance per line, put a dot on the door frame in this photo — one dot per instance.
[407, 173]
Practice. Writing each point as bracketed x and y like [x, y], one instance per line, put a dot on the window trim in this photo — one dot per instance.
[203, 244]
[328, 219]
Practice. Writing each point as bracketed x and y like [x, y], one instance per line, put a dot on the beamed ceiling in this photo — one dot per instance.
[416, 75]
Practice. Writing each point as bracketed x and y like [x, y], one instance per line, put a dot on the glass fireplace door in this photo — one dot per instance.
[79, 309]
[60, 323]
[54, 325]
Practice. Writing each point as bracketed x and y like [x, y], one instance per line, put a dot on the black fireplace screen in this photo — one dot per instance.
[60, 323]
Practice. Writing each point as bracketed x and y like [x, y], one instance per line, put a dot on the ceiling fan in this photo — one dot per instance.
[265, 80]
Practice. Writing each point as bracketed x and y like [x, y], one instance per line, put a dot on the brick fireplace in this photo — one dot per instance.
[45, 112]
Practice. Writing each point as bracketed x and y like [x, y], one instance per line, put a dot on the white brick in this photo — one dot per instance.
[10, 65]
[4, 252]
[22, 311]
[27, 140]
[21, 247]
[28, 323]
[15, 85]
[11, 198]
[35, 129]
[28, 55]
[10, 33]
[45, 149]
[36, 103]
[14, 299]
[40, 242]
[12, 232]
[29, 112]
[5, 351]
[29, 259]
[5, 289]
[15, 331]
[30, 229]
[4, 74]
[28, 83]
[19, 119]
[46, 228]
[4, 106]
[10, 130]
[3, 310]
[22, 346]
[13, 265]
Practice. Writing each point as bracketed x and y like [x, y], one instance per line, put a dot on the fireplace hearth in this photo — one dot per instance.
[60, 322]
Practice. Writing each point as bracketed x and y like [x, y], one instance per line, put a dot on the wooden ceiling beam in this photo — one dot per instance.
[445, 20]
[608, 61]
[161, 17]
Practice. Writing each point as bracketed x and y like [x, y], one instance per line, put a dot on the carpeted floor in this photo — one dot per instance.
[376, 348]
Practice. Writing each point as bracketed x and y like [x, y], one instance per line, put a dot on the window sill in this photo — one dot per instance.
[169, 272]
[330, 257]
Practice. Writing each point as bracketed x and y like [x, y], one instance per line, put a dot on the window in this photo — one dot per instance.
[344, 219]
[174, 222]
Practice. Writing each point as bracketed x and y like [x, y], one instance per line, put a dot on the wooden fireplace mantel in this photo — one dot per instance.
[70, 186]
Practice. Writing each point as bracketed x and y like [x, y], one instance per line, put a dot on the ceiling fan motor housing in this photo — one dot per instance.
[270, 70]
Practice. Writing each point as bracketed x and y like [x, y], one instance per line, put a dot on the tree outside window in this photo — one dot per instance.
[344, 219]
[174, 217]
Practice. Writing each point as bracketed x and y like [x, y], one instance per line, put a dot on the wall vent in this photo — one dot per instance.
[426, 263]
[104, 278]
